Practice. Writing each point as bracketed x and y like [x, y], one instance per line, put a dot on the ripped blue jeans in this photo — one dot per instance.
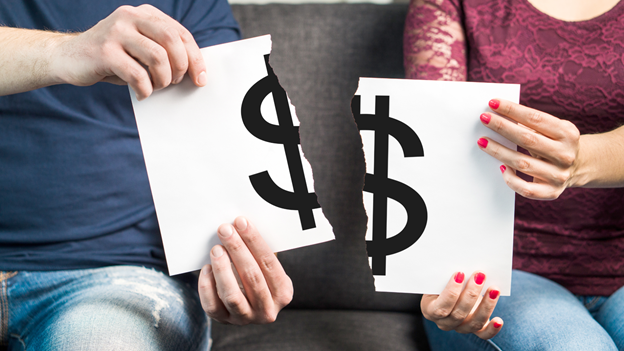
[112, 308]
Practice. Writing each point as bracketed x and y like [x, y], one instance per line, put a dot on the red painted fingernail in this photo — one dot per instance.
[494, 104]
[459, 277]
[479, 278]
[497, 325]
[503, 168]
[482, 142]
[485, 118]
[494, 294]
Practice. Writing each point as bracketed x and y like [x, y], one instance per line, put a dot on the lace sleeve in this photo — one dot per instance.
[434, 45]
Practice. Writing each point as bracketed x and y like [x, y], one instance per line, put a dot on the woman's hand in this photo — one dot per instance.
[554, 145]
[463, 309]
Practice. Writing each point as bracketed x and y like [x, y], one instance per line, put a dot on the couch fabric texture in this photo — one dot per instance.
[319, 53]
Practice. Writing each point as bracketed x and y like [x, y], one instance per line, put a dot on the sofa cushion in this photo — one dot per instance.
[319, 52]
[325, 330]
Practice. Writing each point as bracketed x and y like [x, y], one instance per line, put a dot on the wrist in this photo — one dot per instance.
[60, 59]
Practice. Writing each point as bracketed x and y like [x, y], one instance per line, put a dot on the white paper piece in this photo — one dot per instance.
[469, 209]
[200, 155]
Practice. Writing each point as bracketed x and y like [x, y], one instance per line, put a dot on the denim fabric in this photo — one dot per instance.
[542, 315]
[113, 308]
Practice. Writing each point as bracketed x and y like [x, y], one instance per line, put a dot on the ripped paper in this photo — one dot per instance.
[436, 203]
[227, 149]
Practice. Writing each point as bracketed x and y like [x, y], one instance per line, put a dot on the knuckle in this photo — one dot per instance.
[236, 246]
[146, 7]
[269, 263]
[497, 125]
[567, 159]
[211, 309]
[525, 192]
[234, 302]
[180, 66]
[528, 139]
[169, 35]
[267, 317]
[472, 294]
[444, 327]
[523, 165]
[561, 178]
[253, 277]
[158, 54]
[285, 295]
[458, 315]
[125, 10]
[439, 313]
[535, 117]
[475, 325]
[510, 109]
[570, 130]
[136, 74]
[186, 36]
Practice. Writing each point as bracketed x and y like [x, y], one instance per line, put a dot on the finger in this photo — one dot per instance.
[151, 55]
[491, 329]
[166, 32]
[227, 287]
[534, 119]
[209, 297]
[439, 307]
[196, 66]
[130, 71]
[524, 137]
[279, 283]
[466, 302]
[479, 319]
[531, 190]
[524, 163]
[250, 274]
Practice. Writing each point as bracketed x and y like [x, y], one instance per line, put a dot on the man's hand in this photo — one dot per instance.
[139, 46]
[125, 46]
[265, 290]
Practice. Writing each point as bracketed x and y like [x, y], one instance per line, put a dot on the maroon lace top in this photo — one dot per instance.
[572, 70]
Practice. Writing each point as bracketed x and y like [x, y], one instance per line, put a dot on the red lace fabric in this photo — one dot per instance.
[572, 70]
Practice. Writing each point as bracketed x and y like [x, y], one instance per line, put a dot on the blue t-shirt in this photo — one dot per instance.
[73, 186]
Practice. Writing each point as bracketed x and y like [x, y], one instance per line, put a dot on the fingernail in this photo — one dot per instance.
[479, 278]
[482, 142]
[494, 294]
[497, 325]
[217, 251]
[241, 223]
[494, 104]
[207, 269]
[503, 168]
[459, 277]
[226, 231]
[178, 80]
[202, 79]
[485, 118]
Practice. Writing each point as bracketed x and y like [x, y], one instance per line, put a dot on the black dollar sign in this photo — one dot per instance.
[384, 188]
[284, 133]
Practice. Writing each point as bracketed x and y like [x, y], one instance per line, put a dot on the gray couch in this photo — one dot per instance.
[319, 52]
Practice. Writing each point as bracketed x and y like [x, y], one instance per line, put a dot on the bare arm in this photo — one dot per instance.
[115, 50]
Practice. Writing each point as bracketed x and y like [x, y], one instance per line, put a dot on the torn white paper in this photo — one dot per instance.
[436, 203]
[227, 149]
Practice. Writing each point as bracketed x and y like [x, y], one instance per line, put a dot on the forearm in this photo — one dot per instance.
[27, 59]
[601, 160]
